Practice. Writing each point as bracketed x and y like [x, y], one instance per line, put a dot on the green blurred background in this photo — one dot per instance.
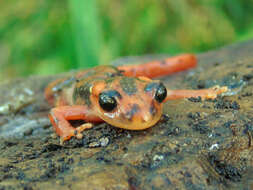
[52, 36]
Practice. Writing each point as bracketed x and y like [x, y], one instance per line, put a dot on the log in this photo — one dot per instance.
[198, 144]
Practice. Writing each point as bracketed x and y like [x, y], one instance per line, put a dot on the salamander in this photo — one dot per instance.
[124, 96]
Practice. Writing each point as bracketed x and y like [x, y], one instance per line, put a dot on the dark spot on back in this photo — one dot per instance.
[109, 80]
[113, 74]
[128, 85]
[83, 92]
[134, 109]
[122, 71]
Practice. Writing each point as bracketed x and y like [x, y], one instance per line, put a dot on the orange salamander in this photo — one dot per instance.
[123, 96]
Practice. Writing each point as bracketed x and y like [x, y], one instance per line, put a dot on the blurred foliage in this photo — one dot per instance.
[50, 36]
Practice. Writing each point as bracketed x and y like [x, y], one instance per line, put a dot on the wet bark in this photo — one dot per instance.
[198, 144]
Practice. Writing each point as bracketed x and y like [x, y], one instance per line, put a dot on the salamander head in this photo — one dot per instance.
[130, 103]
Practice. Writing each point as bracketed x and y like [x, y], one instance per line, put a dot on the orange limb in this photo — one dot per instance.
[160, 68]
[60, 117]
[209, 93]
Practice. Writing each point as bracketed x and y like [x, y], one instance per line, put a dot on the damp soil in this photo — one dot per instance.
[198, 144]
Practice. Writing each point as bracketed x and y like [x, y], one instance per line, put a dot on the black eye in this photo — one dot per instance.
[161, 93]
[107, 100]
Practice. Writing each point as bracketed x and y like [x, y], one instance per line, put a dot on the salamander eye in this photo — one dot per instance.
[107, 100]
[161, 93]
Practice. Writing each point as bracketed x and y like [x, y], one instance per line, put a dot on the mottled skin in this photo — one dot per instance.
[136, 101]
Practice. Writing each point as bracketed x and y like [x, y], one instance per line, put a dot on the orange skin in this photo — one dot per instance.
[135, 100]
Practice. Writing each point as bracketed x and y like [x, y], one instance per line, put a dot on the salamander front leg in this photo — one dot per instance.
[60, 117]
